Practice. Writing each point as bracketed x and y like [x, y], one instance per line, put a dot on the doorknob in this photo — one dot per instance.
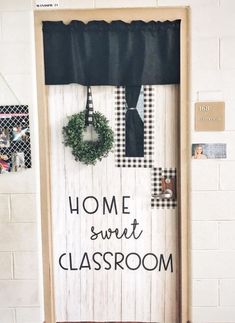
[167, 194]
[164, 188]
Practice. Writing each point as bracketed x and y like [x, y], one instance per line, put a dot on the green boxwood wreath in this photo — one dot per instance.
[88, 152]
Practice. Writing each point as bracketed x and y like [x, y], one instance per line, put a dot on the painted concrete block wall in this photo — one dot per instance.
[212, 220]
[19, 239]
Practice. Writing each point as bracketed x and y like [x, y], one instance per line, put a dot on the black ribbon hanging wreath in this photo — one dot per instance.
[88, 151]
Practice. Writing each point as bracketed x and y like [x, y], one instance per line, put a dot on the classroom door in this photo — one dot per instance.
[115, 225]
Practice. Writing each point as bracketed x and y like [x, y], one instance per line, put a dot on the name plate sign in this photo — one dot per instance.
[209, 116]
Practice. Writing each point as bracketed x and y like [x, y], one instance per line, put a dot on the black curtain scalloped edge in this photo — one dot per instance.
[117, 25]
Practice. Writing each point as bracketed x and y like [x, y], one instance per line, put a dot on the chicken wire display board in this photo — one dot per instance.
[15, 149]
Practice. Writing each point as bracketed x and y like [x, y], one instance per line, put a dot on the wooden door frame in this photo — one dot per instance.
[127, 14]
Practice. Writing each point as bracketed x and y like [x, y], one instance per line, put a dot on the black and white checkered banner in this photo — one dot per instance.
[120, 111]
[89, 107]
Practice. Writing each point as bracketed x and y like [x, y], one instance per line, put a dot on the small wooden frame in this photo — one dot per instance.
[147, 14]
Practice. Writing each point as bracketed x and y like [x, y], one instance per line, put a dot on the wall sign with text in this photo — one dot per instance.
[209, 116]
[46, 4]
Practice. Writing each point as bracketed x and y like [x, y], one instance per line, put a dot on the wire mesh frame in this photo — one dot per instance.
[15, 148]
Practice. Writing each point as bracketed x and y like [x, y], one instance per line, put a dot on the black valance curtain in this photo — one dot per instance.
[116, 53]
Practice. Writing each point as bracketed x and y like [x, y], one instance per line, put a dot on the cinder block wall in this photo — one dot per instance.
[19, 241]
[212, 221]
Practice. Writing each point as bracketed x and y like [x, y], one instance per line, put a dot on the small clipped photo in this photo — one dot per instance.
[18, 161]
[20, 133]
[4, 138]
[209, 151]
[5, 163]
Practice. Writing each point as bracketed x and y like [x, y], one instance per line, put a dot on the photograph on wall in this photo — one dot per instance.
[5, 163]
[18, 161]
[20, 133]
[4, 138]
[209, 151]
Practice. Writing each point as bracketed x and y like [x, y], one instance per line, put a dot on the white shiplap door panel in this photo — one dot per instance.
[112, 295]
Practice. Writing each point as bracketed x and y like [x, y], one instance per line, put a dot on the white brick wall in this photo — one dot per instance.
[25, 265]
[5, 208]
[227, 173]
[213, 189]
[19, 266]
[7, 315]
[226, 235]
[124, 3]
[20, 293]
[27, 315]
[204, 235]
[205, 178]
[205, 292]
[23, 207]
[6, 265]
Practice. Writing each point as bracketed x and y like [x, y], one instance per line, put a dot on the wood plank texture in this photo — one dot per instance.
[108, 295]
